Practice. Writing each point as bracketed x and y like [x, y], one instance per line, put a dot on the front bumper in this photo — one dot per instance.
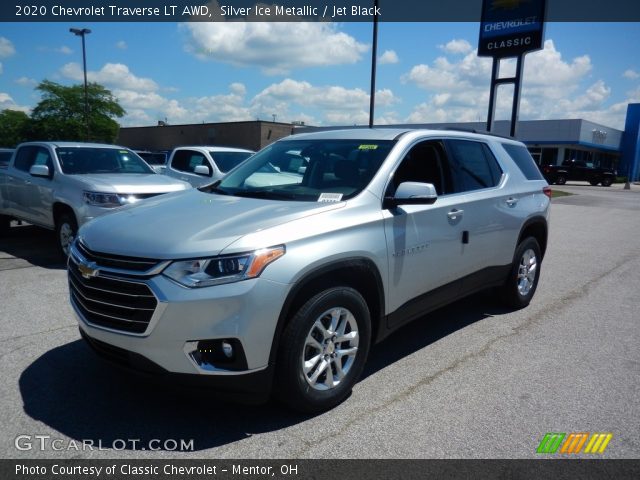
[252, 387]
[245, 312]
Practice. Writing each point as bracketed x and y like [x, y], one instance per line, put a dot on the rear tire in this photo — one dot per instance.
[323, 350]
[560, 179]
[66, 231]
[607, 181]
[523, 278]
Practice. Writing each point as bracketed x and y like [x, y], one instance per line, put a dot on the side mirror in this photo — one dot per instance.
[39, 171]
[202, 170]
[412, 193]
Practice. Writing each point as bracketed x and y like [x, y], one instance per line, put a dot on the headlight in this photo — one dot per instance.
[108, 200]
[205, 272]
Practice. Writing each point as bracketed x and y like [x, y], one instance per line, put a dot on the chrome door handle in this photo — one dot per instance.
[455, 213]
[511, 201]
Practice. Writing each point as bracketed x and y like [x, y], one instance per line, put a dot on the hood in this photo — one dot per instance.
[130, 183]
[189, 224]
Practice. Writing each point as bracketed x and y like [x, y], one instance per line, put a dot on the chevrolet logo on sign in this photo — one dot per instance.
[88, 270]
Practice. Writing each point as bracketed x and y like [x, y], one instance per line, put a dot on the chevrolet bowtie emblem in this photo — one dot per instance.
[88, 270]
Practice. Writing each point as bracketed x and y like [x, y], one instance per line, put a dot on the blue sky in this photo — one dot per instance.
[319, 73]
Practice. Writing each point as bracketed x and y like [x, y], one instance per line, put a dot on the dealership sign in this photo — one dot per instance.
[511, 27]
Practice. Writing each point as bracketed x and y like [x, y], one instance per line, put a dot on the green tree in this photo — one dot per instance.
[14, 127]
[60, 113]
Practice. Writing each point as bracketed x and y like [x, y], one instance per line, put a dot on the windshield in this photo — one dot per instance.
[84, 160]
[229, 160]
[308, 170]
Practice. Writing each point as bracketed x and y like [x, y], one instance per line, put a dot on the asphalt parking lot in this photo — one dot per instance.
[469, 381]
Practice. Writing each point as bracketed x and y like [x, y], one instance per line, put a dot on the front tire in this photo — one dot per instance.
[607, 181]
[66, 231]
[323, 350]
[522, 282]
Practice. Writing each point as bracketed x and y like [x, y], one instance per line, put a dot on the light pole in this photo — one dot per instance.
[81, 32]
[374, 60]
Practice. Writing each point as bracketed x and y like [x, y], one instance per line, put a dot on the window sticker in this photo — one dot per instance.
[330, 197]
[368, 147]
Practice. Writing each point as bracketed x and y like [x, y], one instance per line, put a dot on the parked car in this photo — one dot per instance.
[5, 156]
[62, 185]
[578, 170]
[285, 287]
[200, 165]
[156, 160]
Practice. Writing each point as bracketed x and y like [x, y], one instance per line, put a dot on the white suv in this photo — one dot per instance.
[200, 165]
[286, 285]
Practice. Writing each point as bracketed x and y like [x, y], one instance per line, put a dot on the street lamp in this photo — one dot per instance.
[81, 32]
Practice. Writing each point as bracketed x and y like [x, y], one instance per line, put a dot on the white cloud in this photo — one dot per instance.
[26, 81]
[113, 75]
[553, 87]
[122, 45]
[631, 74]
[6, 48]
[275, 47]
[388, 57]
[290, 98]
[7, 103]
[64, 50]
[456, 46]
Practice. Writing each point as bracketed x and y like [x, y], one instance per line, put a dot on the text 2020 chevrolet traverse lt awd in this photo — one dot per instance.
[259, 285]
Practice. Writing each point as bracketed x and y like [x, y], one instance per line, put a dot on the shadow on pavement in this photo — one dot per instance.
[25, 245]
[83, 397]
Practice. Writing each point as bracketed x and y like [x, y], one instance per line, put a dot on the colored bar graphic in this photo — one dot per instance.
[598, 443]
[574, 443]
[550, 442]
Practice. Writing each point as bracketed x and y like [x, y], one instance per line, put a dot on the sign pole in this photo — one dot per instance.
[495, 70]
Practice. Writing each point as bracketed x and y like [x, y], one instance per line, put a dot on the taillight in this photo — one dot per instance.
[547, 191]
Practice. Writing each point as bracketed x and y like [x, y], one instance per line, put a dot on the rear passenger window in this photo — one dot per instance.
[473, 166]
[524, 161]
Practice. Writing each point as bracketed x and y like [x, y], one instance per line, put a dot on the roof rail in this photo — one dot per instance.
[481, 132]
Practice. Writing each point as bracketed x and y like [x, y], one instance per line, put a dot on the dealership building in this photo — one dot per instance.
[549, 141]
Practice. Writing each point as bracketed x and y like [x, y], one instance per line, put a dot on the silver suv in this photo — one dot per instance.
[257, 286]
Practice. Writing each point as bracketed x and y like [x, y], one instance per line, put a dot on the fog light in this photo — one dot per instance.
[227, 349]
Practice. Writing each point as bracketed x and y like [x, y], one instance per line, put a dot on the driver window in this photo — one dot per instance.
[426, 163]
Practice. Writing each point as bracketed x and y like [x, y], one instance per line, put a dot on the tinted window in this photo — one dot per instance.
[188, 160]
[228, 160]
[5, 157]
[426, 162]
[24, 158]
[524, 161]
[153, 158]
[473, 166]
[85, 160]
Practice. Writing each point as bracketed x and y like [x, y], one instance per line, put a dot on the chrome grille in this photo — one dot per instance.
[135, 264]
[112, 302]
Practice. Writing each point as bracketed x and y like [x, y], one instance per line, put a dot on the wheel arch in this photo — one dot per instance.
[537, 228]
[358, 273]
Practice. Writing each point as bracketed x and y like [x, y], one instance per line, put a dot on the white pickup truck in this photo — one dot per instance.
[62, 185]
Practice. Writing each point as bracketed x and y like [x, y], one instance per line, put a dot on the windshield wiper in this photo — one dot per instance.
[213, 188]
[267, 194]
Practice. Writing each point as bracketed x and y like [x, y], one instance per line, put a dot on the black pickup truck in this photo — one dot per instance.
[578, 170]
